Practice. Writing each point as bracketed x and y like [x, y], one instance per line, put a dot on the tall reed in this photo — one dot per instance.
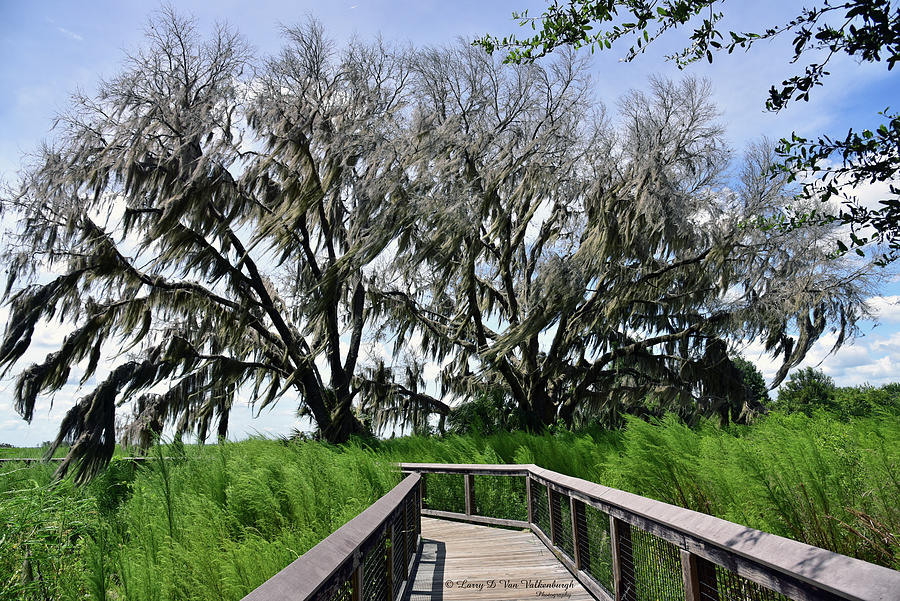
[215, 522]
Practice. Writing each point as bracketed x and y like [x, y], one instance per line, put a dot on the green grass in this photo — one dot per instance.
[214, 522]
[14, 452]
[39, 452]
[826, 482]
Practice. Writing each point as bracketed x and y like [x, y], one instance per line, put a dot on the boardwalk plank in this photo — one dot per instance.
[466, 562]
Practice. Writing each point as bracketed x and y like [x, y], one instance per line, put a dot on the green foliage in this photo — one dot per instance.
[868, 30]
[43, 525]
[113, 486]
[810, 390]
[240, 513]
[572, 24]
[864, 401]
[843, 163]
[807, 390]
[487, 413]
[753, 380]
[203, 523]
[99, 572]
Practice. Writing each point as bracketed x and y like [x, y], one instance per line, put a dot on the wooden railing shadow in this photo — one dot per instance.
[427, 579]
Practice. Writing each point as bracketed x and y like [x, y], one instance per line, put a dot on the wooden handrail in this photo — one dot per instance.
[337, 561]
[847, 577]
[477, 469]
[795, 569]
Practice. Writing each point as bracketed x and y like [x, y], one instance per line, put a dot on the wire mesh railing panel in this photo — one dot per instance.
[595, 546]
[445, 492]
[539, 508]
[417, 503]
[411, 541]
[562, 522]
[501, 497]
[398, 546]
[651, 567]
[344, 592]
[731, 587]
[375, 575]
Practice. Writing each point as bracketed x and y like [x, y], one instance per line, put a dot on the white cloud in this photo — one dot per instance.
[885, 308]
[431, 370]
[70, 34]
[871, 359]
[870, 195]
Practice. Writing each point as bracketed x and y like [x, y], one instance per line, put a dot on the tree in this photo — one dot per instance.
[489, 412]
[867, 30]
[755, 397]
[207, 228]
[866, 400]
[806, 390]
[588, 267]
[754, 382]
[208, 225]
[334, 144]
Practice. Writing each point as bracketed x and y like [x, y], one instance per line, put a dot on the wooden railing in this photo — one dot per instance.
[369, 557]
[624, 547]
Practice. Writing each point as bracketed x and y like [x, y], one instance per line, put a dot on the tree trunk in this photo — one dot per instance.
[534, 411]
[543, 406]
[567, 411]
[344, 424]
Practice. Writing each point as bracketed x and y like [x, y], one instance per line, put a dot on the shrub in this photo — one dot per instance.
[807, 390]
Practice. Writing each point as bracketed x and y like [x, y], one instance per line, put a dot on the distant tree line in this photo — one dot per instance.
[810, 389]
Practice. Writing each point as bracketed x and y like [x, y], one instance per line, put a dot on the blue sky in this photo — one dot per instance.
[52, 48]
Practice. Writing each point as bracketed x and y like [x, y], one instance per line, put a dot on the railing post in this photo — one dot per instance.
[699, 578]
[418, 505]
[470, 494]
[422, 491]
[623, 566]
[389, 560]
[356, 579]
[552, 512]
[575, 510]
[528, 498]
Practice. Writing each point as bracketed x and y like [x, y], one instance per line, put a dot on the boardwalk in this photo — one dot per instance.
[466, 562]
[581, 540]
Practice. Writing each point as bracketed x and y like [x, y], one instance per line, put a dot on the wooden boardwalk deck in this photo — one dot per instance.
[467, 562]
